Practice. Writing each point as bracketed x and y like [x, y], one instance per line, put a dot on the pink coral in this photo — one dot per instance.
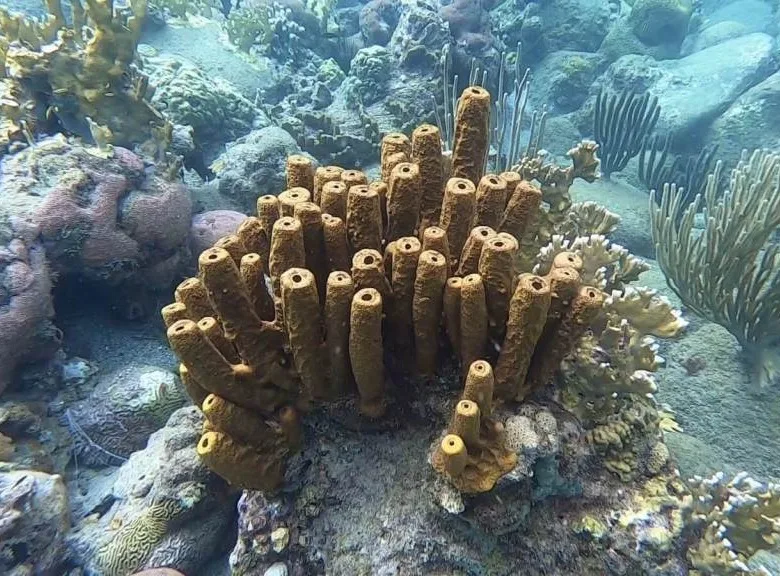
[208, 227]
[108, 218]
[25, 307]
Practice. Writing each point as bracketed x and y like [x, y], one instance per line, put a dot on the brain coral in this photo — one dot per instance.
[105, 219]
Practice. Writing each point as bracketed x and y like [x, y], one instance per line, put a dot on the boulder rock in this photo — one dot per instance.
[208, 227]
[752, 121]
[255, 165]
[694, 90]
[125, 407]
[34, 518]
[162, 508]
[714, 34]
[575, 24]
[566, 77]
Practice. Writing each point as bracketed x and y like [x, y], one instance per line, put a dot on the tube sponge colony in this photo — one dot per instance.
[362, 273]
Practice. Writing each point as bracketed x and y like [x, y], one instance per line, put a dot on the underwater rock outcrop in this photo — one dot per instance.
[125, 407]
[34, 520]
[163, 508]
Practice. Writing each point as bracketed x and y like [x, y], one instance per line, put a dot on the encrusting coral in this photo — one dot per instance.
[359, 273]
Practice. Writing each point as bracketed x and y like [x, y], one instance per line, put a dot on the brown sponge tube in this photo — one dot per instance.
[365, 350]
[497, 268]
[564, 285]
[353, 178]
[465, 423]
[290, 197]
[473, 320]
[479, 386]
[304, 326]
[206, 366]
[426, 153]
[567, 260]
[334, 232]
[323, 175]
[333, 200]
[457, 212]
[454, 454]
[393, 143]
[194, 390]
[580, 314]
[390, 162]
[310, 216]
[240, 464]
[491, 200]
[381, 189]
[338, 302]
[512, 179]
[364, 218]
[368, 271]
[469, 259]
[268, 211]
[253, 276]
[527, 317]
[258, 343]
[427, 307]
[405, 255]
[174, 312]
[403, 201]
[287, 248]
[213, 331]
[232, 243]
[435, 238]
[471, 139]
[451, 309]
[521, 209]
[241, 423]
[255, 238]
[192, 293]
[300, 172]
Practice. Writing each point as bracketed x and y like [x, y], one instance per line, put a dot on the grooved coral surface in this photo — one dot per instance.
[105, 219]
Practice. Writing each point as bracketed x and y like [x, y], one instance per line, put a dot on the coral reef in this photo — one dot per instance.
[726, 522]
[79, 78]
[253, 353]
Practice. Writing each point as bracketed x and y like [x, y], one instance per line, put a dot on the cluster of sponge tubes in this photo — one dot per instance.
[304, 301]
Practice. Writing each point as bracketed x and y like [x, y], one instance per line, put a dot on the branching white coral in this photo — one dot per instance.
[606, 265]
